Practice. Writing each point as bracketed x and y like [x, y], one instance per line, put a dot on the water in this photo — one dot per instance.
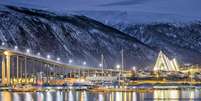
[156, 95]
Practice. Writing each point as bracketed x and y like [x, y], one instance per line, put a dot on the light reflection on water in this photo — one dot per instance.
[156, 95]
[160, 95]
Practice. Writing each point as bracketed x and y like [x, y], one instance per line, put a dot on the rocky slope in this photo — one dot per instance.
[181, 41]
[71, 36]
[84, 39]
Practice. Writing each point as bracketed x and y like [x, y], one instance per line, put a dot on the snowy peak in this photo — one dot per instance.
[180, 41]
[71, 36]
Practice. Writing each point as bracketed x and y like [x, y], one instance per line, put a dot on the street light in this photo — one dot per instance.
[118, 66]
[84, 63]
[48, 57]
[28, 51]
[3, 43]
[119, 74]
[70, 61]
[15, 48]
[100, 65]
[6, 53]
[58, 59]
[38, 54]
[134, 68]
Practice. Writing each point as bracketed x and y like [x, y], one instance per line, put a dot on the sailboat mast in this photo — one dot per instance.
[122, 60]
[102, 64]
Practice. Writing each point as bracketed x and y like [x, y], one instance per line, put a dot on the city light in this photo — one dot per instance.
[118, 66]
[15, 48]
[70, 61]
[3, 44]
[134, 68]
[6, 53]
[38, 54]
[84, 63]
[117, 72]
[28, 51]
[58, 59]
[100, 65]
[48, 57]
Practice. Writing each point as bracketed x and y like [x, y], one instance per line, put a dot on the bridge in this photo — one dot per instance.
[24, 68]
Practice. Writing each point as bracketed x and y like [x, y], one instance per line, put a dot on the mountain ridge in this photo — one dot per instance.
[77, 37]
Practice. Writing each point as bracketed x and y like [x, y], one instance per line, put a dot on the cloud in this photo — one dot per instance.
[125, 3]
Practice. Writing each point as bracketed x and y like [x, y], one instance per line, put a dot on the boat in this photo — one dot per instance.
[24, 88]
[82, 82]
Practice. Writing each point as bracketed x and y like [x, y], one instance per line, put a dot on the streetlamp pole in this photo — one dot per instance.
[122, 63]
[102, 57]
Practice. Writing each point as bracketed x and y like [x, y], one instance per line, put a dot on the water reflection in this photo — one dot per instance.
[164, 95]
[49, 96]
[156, 95]
[70, 96]
[101, 97]
[16, 97]
[6, 96]
[59, 96]
[39, 96]
[118, 96]
[191, 95]
[134, 96]
[28, 97]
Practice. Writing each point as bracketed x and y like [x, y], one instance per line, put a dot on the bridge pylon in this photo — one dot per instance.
[6, 68]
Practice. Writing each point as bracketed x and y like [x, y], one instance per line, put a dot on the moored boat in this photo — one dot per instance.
[24, 88]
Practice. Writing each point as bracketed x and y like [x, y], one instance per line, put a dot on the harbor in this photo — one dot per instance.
[26, 73]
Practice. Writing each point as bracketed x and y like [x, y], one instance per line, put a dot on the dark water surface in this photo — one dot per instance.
[156, 95]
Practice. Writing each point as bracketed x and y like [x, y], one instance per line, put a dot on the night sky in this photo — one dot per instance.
[162, 6]
[141, 10]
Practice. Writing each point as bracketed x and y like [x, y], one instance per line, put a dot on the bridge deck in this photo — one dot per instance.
[50, 61]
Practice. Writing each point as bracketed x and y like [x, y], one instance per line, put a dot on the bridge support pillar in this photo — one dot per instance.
[6, 69]
[3, 71]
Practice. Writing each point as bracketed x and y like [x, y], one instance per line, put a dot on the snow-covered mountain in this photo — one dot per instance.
[84, 39]
[77, 37]
[180, 41]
